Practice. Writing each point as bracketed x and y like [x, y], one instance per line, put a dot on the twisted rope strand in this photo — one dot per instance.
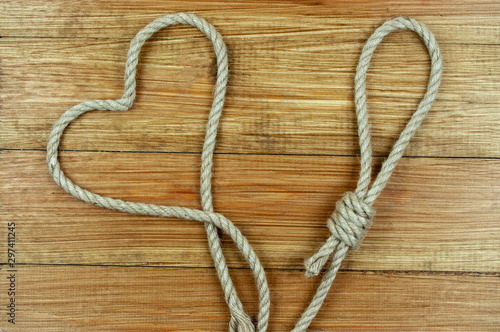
[353, 213]
[240, 321]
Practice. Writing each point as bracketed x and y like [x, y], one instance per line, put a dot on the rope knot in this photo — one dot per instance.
[348, 224]
[351, 220]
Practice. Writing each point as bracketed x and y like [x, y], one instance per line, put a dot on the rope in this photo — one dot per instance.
[354, 213]
[240, 321]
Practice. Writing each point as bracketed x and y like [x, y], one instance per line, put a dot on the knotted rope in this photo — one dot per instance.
[354, 213]
[240, 321]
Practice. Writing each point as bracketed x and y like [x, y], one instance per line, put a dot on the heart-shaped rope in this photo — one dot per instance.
[240, 321]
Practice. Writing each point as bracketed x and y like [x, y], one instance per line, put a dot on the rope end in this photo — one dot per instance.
[315, 264]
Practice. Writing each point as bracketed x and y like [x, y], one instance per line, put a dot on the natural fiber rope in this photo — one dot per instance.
[353, 213]
[240, 321]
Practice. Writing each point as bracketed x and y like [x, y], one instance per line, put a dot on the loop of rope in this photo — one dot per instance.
[353, 214]
[240, 321]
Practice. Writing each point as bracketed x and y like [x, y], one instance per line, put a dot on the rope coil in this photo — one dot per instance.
[353, 215]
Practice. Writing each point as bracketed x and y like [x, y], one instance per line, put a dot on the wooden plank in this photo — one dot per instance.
[436, 214]
[58, 298]
[469, 21]
[286, 152]
[280, 101]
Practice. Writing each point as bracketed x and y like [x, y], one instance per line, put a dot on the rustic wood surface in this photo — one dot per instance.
[287, 150]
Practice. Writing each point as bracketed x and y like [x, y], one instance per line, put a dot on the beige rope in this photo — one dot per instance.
[353, 213]
[240, 321]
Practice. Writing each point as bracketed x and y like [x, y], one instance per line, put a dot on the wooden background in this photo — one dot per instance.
[287, 150]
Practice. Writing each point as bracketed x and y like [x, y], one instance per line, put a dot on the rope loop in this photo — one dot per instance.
[353, 214]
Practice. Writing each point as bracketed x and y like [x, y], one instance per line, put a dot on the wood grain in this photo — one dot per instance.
[58, 298]
[286, 151]
[279, 102]
[280, 203]
[469, 21]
